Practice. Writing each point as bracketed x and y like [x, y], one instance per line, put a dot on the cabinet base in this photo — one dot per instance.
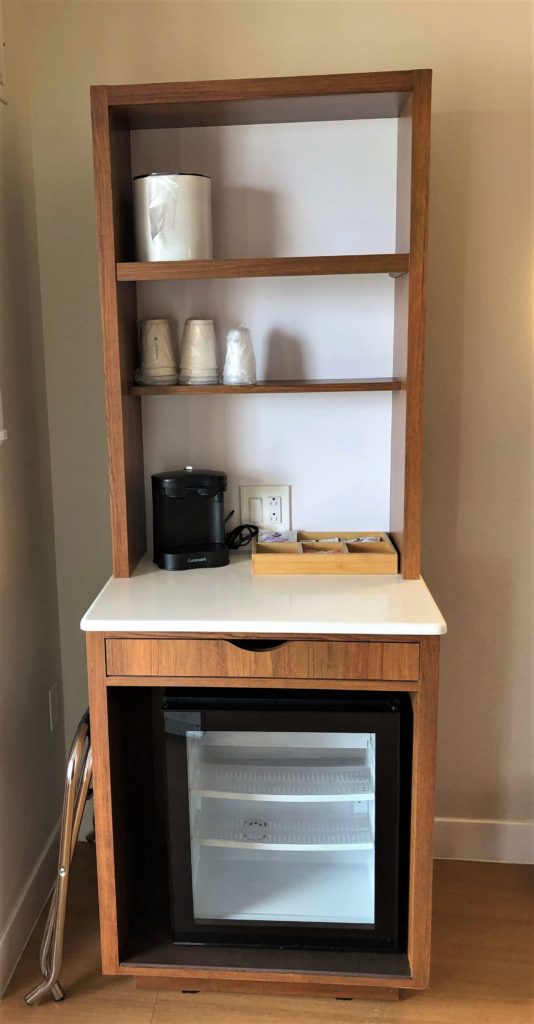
[276, 988]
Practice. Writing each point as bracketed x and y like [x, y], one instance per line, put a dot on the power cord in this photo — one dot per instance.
[240, 536]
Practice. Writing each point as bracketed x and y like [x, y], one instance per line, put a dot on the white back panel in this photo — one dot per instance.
[334, 450]
[301, 327]
[287, 190]
[317, 188]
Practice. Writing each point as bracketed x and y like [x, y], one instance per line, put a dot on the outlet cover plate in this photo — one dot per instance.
[254, 505]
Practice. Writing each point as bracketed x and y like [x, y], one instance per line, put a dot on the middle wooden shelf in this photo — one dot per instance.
[269, 387]
[283, 266]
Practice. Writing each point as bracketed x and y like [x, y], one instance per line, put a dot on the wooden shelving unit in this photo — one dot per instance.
[119, 111]
[129, 671]
[271, 387]
[293, 266]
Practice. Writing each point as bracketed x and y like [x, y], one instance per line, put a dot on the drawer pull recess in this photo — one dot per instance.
[257, 645]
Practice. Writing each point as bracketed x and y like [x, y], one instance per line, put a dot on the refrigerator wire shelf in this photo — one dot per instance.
[261, 833]
[287, 784]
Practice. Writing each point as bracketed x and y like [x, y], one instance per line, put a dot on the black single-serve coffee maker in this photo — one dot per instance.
[188, 511]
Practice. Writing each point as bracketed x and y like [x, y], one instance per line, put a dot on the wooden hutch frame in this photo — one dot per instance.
[143, 662]
[118, 110]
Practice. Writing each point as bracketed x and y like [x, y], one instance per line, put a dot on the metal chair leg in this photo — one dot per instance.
[77, 785]
[56, 917]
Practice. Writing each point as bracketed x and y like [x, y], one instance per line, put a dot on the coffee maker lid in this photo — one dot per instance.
[190, 477]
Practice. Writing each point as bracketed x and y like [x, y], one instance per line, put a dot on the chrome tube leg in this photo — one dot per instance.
[56, 922]
[81, 799]
[48, 933]
[77, 783]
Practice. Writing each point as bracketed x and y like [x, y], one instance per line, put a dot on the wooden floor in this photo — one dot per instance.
[483, 957]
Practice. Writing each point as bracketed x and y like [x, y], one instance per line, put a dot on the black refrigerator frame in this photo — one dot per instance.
[388, 716]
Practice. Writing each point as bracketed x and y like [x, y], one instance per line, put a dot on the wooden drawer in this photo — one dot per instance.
[289, 659]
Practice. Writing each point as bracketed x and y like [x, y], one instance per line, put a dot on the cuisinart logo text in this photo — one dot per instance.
[191, 560]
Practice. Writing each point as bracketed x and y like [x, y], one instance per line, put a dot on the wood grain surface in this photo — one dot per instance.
[281, 266]
[108, 884]
[260, 88]
[111, 154]
[263, 683]
[262, 100]
[416, 313]
[275, 988]
[425, 715]
[400, 331]
[271, 387]
[305, 659]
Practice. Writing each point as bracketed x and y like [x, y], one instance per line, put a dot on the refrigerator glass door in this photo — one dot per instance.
[282, 826]
[283, 821]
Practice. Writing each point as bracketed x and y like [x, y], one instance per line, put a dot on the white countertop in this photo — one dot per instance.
[232, 600]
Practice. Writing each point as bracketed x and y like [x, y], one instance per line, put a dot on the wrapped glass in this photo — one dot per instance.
[240, 362]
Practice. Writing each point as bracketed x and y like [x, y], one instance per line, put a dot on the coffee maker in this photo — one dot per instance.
[188, 518]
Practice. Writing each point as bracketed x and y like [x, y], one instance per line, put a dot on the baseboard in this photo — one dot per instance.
[27, 908]
[510, 842]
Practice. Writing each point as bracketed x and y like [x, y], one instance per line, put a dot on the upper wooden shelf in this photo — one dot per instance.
[270, 387]
[285, 266]
[259, 100]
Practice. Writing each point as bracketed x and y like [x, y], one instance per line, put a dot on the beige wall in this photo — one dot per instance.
[31, 757]
[477, 516]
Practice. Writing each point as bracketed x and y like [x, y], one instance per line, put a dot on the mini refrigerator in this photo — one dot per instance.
[288, 818]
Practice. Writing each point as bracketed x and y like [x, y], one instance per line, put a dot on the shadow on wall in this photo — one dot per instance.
[285, 357]
[477, 421]
[248, 219]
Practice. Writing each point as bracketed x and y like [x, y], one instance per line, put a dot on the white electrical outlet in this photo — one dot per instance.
[274, 510]
[265, 505]
[53, 706]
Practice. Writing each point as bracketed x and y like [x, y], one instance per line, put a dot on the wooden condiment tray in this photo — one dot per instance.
[316, 553]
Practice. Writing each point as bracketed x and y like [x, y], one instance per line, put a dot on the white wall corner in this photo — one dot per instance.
[509, 842]
[29, 905]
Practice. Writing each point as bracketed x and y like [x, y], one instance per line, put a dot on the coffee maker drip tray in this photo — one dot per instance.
[201, 556]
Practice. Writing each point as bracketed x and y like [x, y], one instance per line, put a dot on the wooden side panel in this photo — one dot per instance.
[111, 151]
[410, 310]
[294, 659]
[108, 891]
[424, 704]
[400, 331]
[398, 420]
